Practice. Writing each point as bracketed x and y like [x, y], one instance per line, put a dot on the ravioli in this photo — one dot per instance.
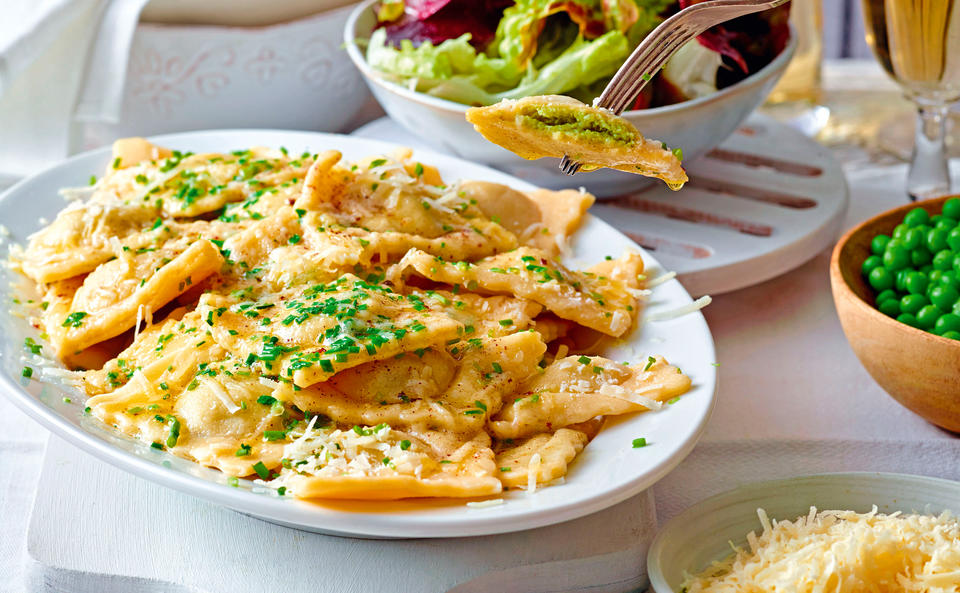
[111, 298]
[457, 395]
[375, 463]
[554, 126]
[600, 302]
[309, 333]
[554, 452]
[82, 237]
[576, 389]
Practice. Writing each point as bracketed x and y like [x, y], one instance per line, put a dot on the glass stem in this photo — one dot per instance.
[929, 174]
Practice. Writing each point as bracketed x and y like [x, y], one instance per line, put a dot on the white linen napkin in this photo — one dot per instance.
[101, 97]
[43, 48]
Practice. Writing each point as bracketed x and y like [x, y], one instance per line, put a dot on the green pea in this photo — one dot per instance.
[951, 334]
[949, 278]
[946, 224]
[934, 276]
[947, 322]
[874, 261]
[927, 316]
[890, 307]
[916, 283]
[951, 208]
[913, 238]
[920, 256]
[916, 217]
[900, 280]
[956, 308]
[899, 231]
[926, 268]
[909, 319]
[953, 239]
[880, 279]
[935, 219]
[912, 303]
[896, 257]
[944, 297]
[885, 295]
[879, 244]
[943, 260]
[956, 262]
[937, 240]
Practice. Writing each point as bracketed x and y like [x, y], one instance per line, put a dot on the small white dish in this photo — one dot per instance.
[696, 126]
[702, 534]
[609, 471]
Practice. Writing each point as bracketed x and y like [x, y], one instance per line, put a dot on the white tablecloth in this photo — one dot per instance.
[793, 399]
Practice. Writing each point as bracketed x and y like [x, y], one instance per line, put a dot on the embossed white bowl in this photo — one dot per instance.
[289, 76]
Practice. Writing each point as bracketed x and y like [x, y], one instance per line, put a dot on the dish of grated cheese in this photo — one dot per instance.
[842, 552]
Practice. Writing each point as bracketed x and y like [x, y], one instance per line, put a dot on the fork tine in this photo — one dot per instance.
[627, 90]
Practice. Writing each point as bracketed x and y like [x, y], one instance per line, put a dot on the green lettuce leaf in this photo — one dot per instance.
[452, 58]
[571, 51]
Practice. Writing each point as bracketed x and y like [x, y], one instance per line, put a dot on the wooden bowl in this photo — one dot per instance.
[919, 369]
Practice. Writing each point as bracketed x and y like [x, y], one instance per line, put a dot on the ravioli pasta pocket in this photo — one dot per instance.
[339, 330]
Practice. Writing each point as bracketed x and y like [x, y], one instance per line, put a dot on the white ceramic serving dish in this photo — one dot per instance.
[293, 75]
[609, 470]
[703, 533]
[696, 126]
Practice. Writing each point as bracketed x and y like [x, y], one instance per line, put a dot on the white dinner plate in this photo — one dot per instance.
[608, 471]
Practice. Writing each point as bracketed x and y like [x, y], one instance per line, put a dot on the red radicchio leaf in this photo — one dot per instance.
[754, 38]
[438, 20]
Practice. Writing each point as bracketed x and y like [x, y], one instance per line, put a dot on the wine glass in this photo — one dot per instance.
[918, 43]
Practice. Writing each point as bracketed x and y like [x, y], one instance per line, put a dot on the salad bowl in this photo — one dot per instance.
[696, 126]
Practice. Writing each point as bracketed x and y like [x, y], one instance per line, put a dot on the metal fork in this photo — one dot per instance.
[657, 47]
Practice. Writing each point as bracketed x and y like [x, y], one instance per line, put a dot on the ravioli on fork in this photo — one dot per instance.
[554, 126]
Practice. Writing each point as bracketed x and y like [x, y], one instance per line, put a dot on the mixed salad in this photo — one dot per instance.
[478, 52]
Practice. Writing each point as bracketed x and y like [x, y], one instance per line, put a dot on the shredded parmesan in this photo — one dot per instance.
[136, 325]
[680, 311]
[268, 383]
[533, 470]
[661, 279]
[842, 552]
[77, 193]
[222, 395]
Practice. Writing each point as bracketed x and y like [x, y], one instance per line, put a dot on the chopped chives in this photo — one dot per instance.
[261, 470]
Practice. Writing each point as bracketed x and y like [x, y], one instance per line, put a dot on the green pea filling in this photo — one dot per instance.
[585, 124]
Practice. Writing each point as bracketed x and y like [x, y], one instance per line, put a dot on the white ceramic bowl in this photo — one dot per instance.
[184, 77]
[696, 126]
[702, 534]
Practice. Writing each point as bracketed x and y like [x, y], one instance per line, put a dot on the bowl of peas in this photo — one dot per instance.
[896, 286]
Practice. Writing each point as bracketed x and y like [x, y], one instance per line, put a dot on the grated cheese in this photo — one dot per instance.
[661, 279]
[680, 311]
[222, 395]
[842, 552]
[533, 470]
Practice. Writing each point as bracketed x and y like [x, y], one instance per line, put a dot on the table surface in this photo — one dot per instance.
[793, 397]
